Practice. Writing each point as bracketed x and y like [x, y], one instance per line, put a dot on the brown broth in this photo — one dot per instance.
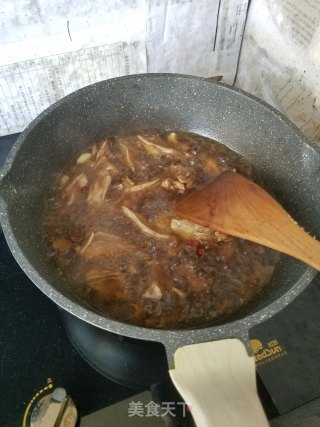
[112, 232]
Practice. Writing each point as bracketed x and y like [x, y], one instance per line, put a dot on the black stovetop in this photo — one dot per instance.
[36, 355]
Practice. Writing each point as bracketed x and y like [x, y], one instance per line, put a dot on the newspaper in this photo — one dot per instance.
[280, 59]
[197, 37]
[50, 49]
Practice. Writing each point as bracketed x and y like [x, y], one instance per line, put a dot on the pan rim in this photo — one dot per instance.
[173, 338]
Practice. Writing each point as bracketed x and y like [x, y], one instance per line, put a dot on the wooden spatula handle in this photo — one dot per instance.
[218, 380]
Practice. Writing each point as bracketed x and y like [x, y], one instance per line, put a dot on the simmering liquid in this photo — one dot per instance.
[112, 232]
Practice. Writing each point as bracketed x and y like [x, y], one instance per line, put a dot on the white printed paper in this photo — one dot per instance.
[280, 59]
[29, 87]
[197, 37]
[50, 49]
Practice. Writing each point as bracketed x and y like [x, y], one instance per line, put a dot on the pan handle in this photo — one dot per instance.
[218, 380]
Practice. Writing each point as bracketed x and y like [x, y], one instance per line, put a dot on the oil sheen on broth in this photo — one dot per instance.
[113, 234]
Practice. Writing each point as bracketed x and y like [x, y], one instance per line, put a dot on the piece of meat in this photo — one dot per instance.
[197, 283]
[61, 244]
[108, 283]
[100, 245]
[101, 182]
[153, 292]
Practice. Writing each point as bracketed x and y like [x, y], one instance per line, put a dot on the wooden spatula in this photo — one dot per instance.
[237, 206]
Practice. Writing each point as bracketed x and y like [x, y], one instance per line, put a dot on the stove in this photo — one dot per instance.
[37, 358]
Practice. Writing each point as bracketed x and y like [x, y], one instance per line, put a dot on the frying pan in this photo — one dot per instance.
[212, 366]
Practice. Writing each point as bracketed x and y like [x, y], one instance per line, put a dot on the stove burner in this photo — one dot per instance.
[129, 362]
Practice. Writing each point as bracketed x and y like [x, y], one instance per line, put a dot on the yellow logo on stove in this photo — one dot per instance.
[267, 353]
[40, 393]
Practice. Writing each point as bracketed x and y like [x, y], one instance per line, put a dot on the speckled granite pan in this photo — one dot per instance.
[289, 166]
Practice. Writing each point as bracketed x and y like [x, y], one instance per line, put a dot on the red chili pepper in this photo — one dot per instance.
[200, 251]
[84, 189]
